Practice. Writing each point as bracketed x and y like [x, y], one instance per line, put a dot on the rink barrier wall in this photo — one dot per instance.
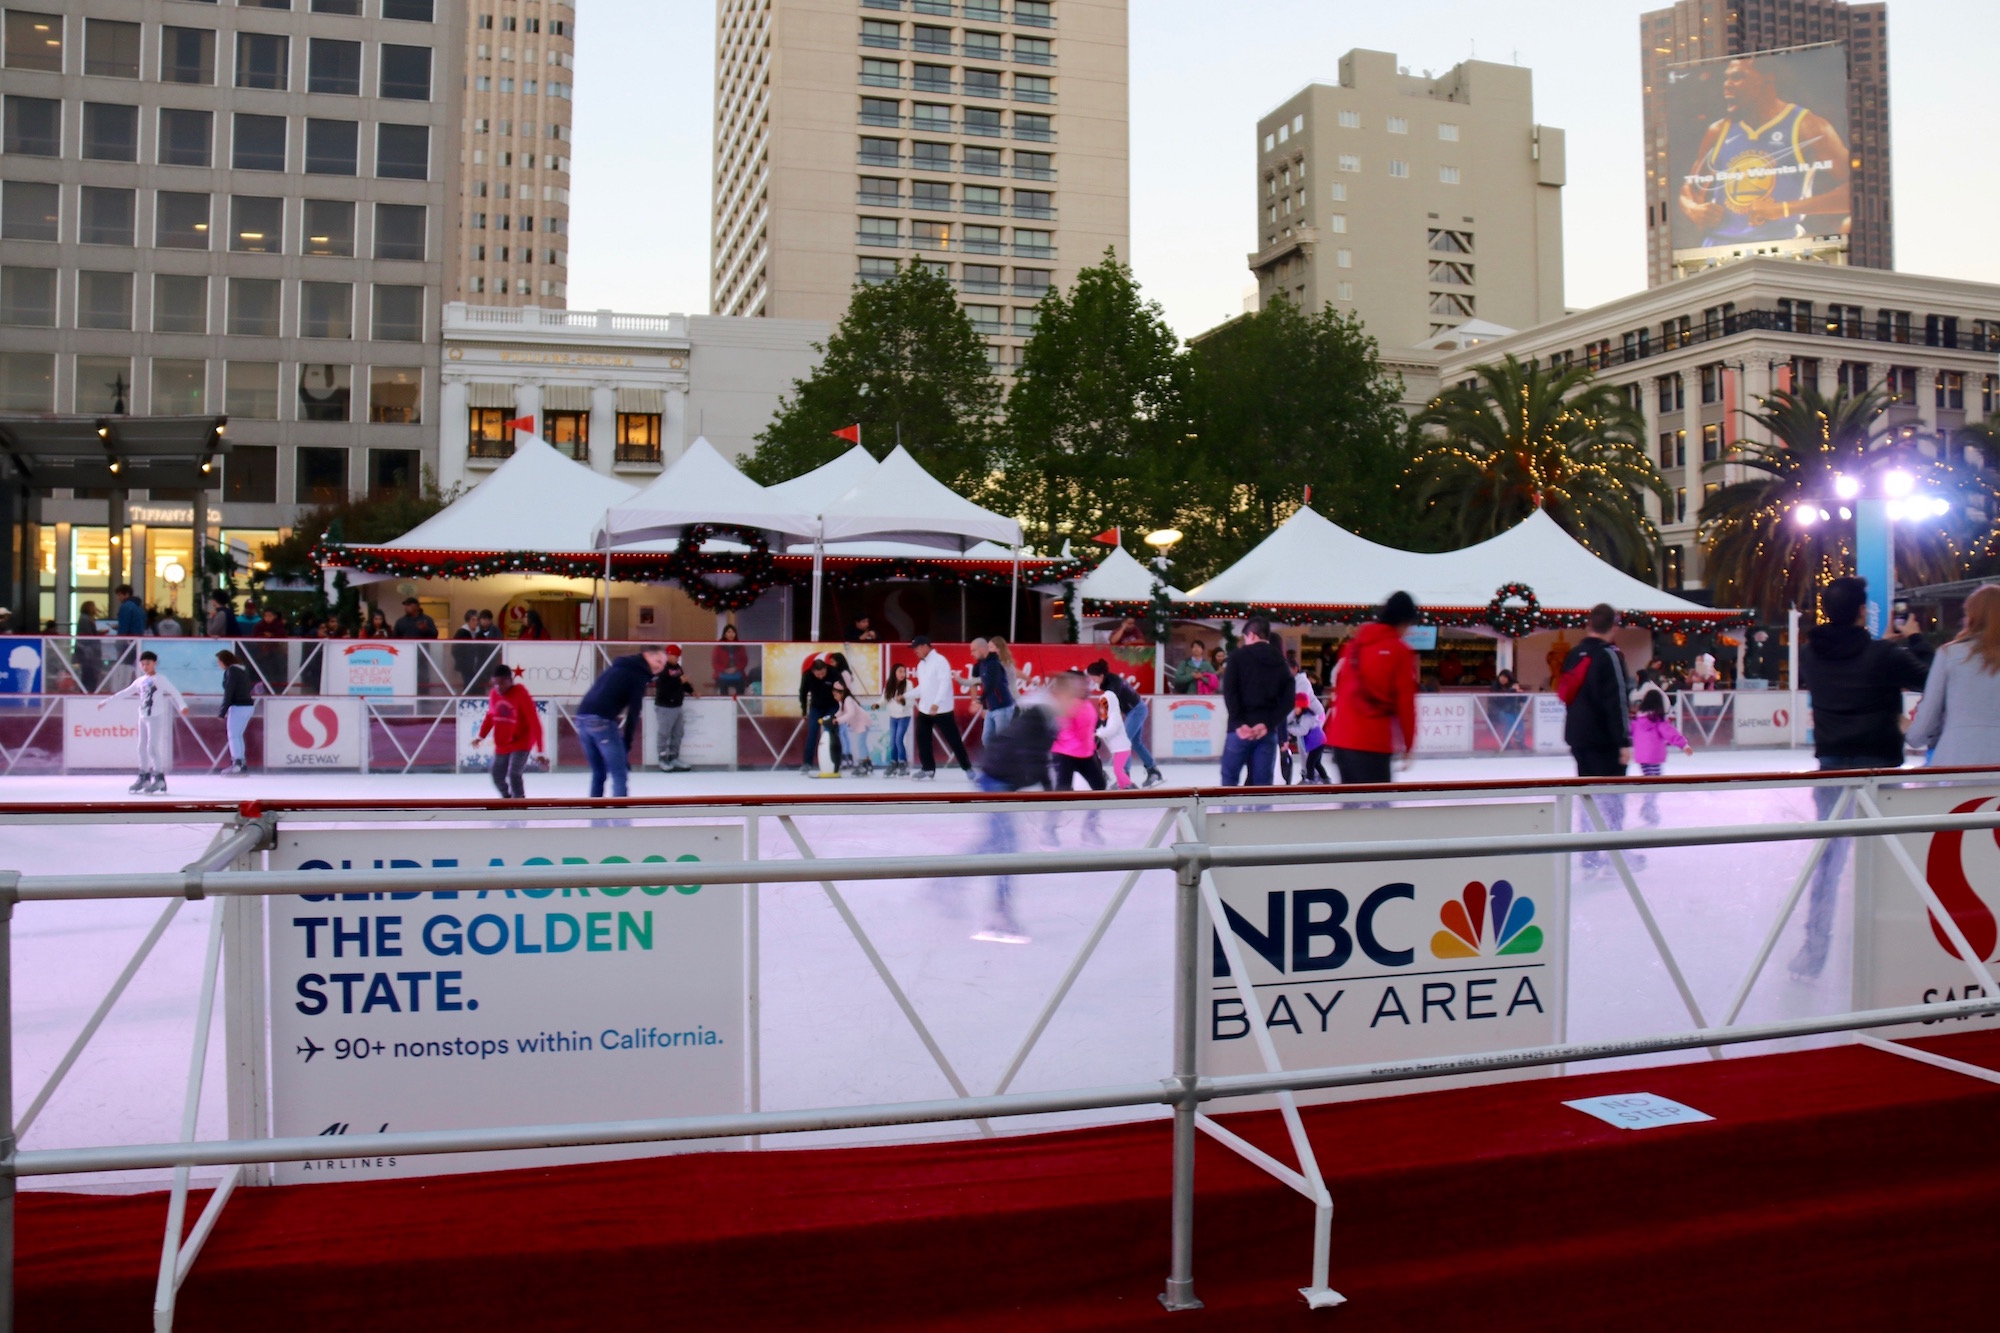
[228, 871]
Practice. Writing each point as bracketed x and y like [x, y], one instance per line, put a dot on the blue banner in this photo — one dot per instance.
[1875, 560]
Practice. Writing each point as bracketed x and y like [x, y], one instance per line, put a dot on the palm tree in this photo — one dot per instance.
[1517, 439]
[1756, 552]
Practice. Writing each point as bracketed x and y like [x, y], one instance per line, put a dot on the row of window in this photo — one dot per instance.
[1791, 315]
[1447, 131]
[936, 196]
[522, 286]
[974, 160]
[978, 279]
[1027, 13]
[110, 133]
[263, 60]
[972, 238]
[179, 386]
[936, 118]
[509, 23]
[516, 222]
[925, 78]
[637, 434]
[486, 83]
[516, 254]
[30, 298]
[937, 39]
[182, 220]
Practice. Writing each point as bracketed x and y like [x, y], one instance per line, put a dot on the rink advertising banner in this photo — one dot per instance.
[100, 734]
[785, 666]
[370, 667]
[1395, 960]
[1445, 723]
[1757, 150]
[1902, 954]
[1035, 663]
[447, 1010]
[1550, 719]
[20, 666]
[314, 735]
[708, 736]
[554, 670]
[1764, 717]
[1189, 726]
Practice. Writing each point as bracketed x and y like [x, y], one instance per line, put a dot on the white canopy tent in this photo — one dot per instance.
[813, 491]
[1120, 577]
[1311, 561]
[1564, 573]
[701, 486]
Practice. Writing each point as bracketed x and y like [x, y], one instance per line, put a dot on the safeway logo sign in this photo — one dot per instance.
[1965, 874]
[313, 727]
[313, 734]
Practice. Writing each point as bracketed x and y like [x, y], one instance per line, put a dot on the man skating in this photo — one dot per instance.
[159, 703]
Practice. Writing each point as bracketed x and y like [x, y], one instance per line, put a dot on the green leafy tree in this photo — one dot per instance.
[905, 362]
[1283, 401]
[1756, 551]
[1518, 438]
[1097, 425]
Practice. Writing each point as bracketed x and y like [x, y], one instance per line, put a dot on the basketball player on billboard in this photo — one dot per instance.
[1765, 167]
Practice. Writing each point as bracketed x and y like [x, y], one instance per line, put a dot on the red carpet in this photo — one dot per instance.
[1835, 1189]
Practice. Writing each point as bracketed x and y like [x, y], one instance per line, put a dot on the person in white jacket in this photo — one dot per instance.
[159, 703]
[934, 709]
[1111, 731]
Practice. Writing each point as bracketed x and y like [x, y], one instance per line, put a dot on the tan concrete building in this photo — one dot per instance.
[1418, 203]
[519, 83]
[987, 138]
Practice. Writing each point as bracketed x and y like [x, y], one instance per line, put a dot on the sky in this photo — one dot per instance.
[1201, 75]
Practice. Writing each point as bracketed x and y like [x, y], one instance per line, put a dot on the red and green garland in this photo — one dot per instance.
[1514, 610]
[1480, 617]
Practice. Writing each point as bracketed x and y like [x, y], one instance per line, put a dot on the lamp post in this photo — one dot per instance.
[1161, 541]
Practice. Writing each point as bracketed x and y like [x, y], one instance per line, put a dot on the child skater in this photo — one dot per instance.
[1651, 735]
[159, 701]
[1111, 730]
[851, 716]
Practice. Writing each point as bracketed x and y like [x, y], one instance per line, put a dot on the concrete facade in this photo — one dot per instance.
[1417, 203]
[520, 59]
[990, 142]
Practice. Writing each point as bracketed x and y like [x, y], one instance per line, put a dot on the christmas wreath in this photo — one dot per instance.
[1515, 611]
[724, 580]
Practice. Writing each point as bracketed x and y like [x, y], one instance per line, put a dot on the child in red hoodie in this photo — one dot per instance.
[1375, 695]
[516, 728]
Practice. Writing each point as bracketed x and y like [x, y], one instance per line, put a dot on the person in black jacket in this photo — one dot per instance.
[1257, 690]
[1015, 758]
[1595, 687]
[1856, 681]
[1133, 710]
[670, 691]
[619, 692]
[239, 704]
[816, 701]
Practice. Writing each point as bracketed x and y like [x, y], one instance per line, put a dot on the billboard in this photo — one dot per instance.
[371, 666]
[1757, 151]
[314, 735]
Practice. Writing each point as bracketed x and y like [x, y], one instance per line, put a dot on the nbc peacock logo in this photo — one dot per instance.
[1481, 921]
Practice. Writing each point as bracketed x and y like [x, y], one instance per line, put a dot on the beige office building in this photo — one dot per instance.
[1417, 203]
[987, 138]
[514, 211]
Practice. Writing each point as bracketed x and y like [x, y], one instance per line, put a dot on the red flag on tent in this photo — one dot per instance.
[1111, 537]
[1309, 493]
[522, 423]
[852, 433]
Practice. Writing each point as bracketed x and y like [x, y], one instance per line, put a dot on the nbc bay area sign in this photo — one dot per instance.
[1392, 960]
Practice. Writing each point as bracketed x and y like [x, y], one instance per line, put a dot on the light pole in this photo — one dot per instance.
[1162, 541]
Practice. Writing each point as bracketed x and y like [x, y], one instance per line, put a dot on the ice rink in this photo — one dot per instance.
[831, 1034]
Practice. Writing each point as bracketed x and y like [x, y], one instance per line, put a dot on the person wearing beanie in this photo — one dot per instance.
[1375, 695]
[670, 691]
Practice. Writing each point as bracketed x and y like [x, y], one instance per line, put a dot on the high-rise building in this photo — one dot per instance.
[229, 208]
[519, 58]
[986, 139]
[1418, 203]
[1699, 30]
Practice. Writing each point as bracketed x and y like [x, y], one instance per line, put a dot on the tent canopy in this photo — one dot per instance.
[537, 500]
[901, 502]
[700, 487]
[1119, 577]
[1563, 572]
[813, 491]
[1310, 561]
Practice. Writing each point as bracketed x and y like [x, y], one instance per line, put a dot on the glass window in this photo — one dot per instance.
[324, 392]
[180, 388]
[326, 310]
[333, 147]
[411, 11]
[333, 67]
[396, 395]
[187, 55]
[399, 231]
[180, 220]
[34, 41]
[487, 435]
[250, 389]
[394, 471]
[186, 137]
[322, 475]
[1034, 166]
[256, 224]
[103, 300]
[250, 472]
[33, 126]
[406, 72]
[403, 152]
[111, 48]
[253, 307]
[259, 143]
[336, 7]
[329, 227]
[982, 161]
[638, 437]
[180, 303]
[104, 384]
[262, 60]
[30, 211]
[28, 297]
[110, 132]
[106, 217]
[27, 382]
[569, 432]
[399, 313]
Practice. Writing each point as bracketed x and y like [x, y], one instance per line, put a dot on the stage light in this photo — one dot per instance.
[1805, 516]
[1898, 483]
[1845, 487]
[1845, 512]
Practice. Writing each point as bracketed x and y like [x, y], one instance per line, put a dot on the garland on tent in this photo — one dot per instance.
[1514, 610]
[853, 572]
[1660, 622]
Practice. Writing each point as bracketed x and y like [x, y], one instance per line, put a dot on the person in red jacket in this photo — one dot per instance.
[1375, 695]
[516, 728]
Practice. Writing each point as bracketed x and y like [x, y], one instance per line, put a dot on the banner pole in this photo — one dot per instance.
[1179, 1294]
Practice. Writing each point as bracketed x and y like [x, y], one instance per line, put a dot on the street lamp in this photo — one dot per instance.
[1161, 540]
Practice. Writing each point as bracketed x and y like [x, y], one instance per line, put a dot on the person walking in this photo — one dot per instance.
[1014, 758]
[222, 618]
[130, 616]
[618, 693]
[1257, 695]
[159, 704]
[993, 676]
[1375, 696]
[1856, 683]
[670, 690]
[934, 704]
[465, 657]
[896, 707]
[1595, 689]
[820, 708]
[1959, 719]
[516, 727]
[239, 704]
[1133, 712]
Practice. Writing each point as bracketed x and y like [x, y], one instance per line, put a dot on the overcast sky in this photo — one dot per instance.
[1202, 74]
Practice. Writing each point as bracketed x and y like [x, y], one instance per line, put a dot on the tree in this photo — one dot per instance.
[905, 361]
[1756, 552]
[1518, 439]
[1097, 422]
[1284, 401]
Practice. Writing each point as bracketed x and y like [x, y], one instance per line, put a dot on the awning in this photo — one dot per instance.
[483, 393]
[642, 402]
[115, 453]
[566, 398]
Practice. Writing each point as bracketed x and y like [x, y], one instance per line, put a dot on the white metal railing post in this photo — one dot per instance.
[1189, 860]
[8, 880]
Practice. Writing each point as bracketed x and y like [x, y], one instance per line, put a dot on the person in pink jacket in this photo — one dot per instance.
[1651, 735]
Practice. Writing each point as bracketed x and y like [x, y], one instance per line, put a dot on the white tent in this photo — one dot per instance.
[815, 490]
[1119, 577]
[900, 501]
[538, 500]
[1563, 572]
[700, 487]
[1311, 561]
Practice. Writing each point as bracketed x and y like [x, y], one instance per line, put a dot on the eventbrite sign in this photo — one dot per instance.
[1356, 964]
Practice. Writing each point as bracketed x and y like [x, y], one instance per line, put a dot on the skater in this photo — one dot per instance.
[239, 704]
[159, 702]
[1014, 758]
[670, 691]
[1599, 730]
[852, 718]
[816, 701]
[1308, 731]
[1651, 735]
[516, 727]
[619, 692]
[1257, 691]
[1134, 709]
[934, 704]
[1073, 753]
[896, 706]
[993, 676]
[841, 673]
[1375, 695]
[1111, 731]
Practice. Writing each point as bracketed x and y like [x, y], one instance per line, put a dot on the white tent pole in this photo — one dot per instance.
[604, 617]
[1014, 599]
[819, 567]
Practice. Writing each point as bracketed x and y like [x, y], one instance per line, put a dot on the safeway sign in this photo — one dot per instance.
[1903, 953]
[1764, 717]
[314, 735]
